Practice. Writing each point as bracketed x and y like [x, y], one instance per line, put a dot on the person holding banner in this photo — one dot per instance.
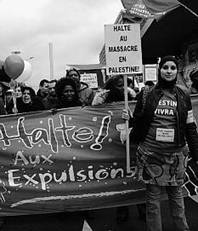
[164, 130]
[29, 101]
[43, 89]
[50, 101]
[67, 93]
[85, 93]
[9, 101]
[115, 85]
[113, 91]
[12, 96]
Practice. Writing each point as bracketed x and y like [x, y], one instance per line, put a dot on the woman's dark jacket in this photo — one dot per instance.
[142, 118]
[36, 105]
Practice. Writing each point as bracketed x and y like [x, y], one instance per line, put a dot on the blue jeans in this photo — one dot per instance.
[176, 203]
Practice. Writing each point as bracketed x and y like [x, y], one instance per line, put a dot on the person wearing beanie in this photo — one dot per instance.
[164, 131]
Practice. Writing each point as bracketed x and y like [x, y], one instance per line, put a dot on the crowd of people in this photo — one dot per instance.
[164, 131]
[67, 91]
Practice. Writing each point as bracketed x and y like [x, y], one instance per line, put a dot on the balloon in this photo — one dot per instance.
[13, 66]
[27, 72]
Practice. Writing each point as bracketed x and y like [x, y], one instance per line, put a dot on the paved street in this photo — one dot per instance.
[57, 222]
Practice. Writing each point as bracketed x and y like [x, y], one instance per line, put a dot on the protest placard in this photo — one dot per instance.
[123, 49]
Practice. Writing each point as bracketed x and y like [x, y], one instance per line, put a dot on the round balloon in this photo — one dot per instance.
[13, 66]
[27, 72]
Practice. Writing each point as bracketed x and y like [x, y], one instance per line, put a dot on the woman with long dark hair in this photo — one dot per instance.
[67, 94]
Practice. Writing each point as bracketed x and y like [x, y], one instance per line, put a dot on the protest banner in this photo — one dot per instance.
[67, 160]
[72, 159]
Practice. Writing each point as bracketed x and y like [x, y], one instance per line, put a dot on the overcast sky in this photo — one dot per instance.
[75, 28]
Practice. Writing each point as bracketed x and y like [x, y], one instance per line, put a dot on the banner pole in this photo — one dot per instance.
[13, 85]
[127, 125]
[51, 60]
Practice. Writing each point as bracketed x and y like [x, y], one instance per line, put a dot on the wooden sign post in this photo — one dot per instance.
[123, 56]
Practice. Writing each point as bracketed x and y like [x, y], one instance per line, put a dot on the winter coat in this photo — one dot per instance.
[36, 105]
[142, 118]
